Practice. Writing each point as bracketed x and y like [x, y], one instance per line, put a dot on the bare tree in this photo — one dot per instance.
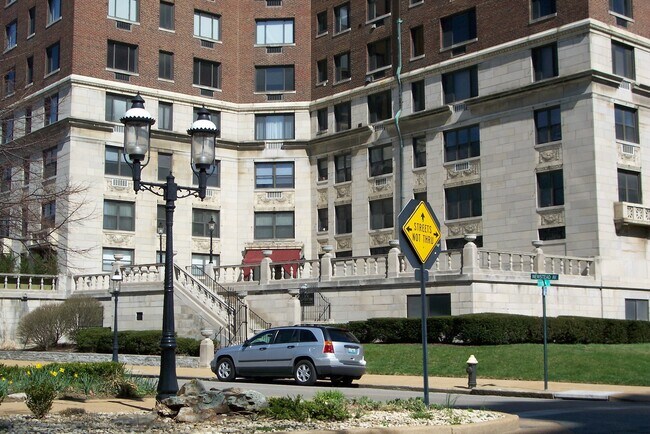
[38, 204]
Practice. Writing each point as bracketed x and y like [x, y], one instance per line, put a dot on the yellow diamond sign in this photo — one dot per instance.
[422, 231]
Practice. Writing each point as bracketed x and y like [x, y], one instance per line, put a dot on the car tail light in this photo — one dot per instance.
[329, 347]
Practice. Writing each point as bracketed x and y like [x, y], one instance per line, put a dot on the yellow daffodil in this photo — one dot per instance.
[11, 382]
[62, 370]
[29, 373]
[75, 375]
[39, 366]
[54, 373]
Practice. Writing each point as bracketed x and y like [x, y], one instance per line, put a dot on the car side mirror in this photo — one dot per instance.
[246, 343]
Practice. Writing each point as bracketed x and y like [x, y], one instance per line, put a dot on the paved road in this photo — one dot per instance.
[536, 415]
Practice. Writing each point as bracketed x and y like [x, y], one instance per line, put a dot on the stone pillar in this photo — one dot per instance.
[539, 261]
[206, 349]
[326, 264]
[265, 267]
[294, 309]
[393, 259]
[470, 255]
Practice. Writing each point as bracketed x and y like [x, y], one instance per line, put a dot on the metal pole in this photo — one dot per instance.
[425, 364]
[211, 233]
[115, 344]
[160, 250]
[168, 382]
[544, 289]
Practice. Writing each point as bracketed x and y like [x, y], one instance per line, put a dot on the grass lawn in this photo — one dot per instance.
[594, 363]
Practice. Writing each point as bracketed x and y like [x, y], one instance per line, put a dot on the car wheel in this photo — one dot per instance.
[304, 373]
[225, 370]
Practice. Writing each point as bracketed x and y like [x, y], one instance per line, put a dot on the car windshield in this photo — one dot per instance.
[340, 335]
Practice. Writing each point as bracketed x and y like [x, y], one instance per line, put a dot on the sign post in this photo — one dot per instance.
[544, 281]
[419, 239]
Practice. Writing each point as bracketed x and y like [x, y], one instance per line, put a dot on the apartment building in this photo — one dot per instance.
[516, 121]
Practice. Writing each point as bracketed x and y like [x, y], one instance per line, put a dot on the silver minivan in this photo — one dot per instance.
[306, 353]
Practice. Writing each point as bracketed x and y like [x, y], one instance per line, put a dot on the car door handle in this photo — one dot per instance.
[291, 346]
[263, 349]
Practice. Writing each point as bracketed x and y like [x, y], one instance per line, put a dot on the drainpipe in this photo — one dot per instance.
[398, 74]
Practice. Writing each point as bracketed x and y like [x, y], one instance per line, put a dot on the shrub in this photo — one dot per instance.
[95, 340]
[39, 398]
[100, 340]
[44, 326]
[329, 405]
[81, 312]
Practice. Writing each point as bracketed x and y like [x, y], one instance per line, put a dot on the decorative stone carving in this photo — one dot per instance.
[466, 227]
[550, 155]
[343, 191]
[201, 244]
[322, 197]
[551, 218]
[381, 187]
[420, 180]
[118, 185]
[463, 173]
[381, 238]
[269, 200]
[344, 243]
[118, 239]
[629, 155]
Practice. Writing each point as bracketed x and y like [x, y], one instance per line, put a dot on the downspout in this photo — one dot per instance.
[398, 74]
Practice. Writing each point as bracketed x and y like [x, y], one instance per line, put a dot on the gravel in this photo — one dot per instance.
[150, 422]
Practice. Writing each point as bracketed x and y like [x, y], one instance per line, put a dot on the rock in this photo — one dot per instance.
[16, 397]
[193, 387]
[245, 400]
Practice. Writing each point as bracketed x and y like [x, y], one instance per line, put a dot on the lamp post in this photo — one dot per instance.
[160, 232]
[115, 286]
[137, 136]
[211, 226]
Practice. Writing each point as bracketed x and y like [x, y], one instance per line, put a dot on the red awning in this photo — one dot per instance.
[255, 256]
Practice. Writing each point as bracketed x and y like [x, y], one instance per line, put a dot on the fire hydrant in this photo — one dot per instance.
[471, 371]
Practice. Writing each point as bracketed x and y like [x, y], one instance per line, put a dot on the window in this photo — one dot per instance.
[115, 163]
[11, 37]
[7, 130]
[322, 220]
[379, 106]
[321, 165]
[321, 23]
[550, 188]
[28, 120]
[321, 115]
[463, 202]
[274, 78]
[460, 85]
[342, 18]
[274, 32]
[124, 9]
[214, 176]
[381, 160]
[419, 151]
[161, 218]
[53, 11]
[621, 7]
[381, 213]
[626, 121]
[462, 143]
[164, 166]
[417, 41]
[321, 71]
[5, 183]
[273, 225]
[378, 8]
[10, 82]
[51, 106]
[542, 8]
[108, 258]
[52, 54]
[629, 186]
[48, 214]
[551, 234]
[623, 60]
[119, 215]
[274, 175]
[343, 116]
[207, 26]
[548, 125]
[420, 196]
[165, 65]
[207, 73]
[166, 16]
[116, 107]
[201, 261]
[343, 219]
[545, 62]
[343, 167]
[379, 54]
[342, 67]
[458, 28]
[200, 220]
[437, 305]
[31, 22]
[417, 92]
[274, 127]
[165, 116]
[123, 57]
[29, 70]
[636, 310]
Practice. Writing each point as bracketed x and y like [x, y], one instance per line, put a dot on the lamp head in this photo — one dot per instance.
[137, 130]
[204, 137]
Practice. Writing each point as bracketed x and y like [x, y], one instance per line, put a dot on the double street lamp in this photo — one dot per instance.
[137, 137]
[115, 286]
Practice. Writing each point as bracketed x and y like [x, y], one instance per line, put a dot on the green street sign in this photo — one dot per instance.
[542, 276]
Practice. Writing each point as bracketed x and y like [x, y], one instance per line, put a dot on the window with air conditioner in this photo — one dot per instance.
[115, 162]
[207, 26]
[275, 126]
[116, 106]
[458, 28]
[122, 57]
[460, 85]
[462, 143]
[274, 32]
[274, 78]
[623, 60]
[379, 106]
[207, 73]
[274, 175]
[128, 10]
[626, 124]
[380, 160]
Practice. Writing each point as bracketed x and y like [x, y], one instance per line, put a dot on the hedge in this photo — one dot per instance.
[146, 342]
[500, 329]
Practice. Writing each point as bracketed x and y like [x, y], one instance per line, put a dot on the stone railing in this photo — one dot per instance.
[130, 274]
[28, 282]
[626, 213]
[505, 261]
